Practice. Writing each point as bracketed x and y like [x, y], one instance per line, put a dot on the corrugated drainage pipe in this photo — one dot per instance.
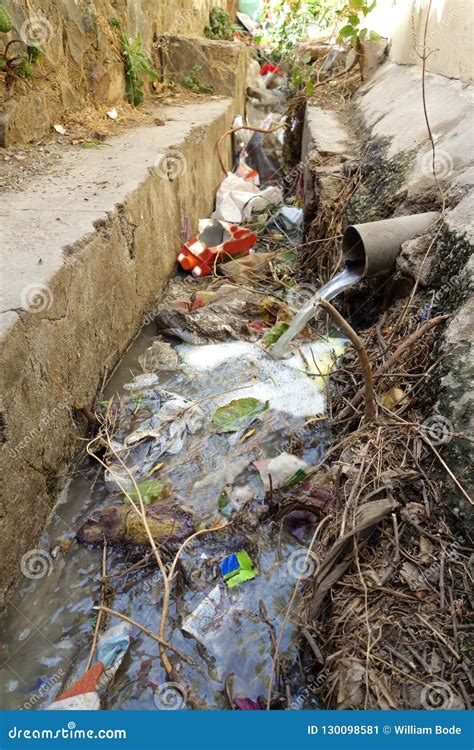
[373, 248]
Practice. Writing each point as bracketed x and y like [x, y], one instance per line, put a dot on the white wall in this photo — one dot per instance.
[450, 33]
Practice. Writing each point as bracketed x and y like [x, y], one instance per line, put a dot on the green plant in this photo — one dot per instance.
[284, 24]
[220, 26]
[354, 12]
[192, 82]
[17, 65]
[137, 62]
[301, 76]
[6, 24]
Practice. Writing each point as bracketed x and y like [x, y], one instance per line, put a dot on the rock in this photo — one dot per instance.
[160, 356]
[414, 261]
[120, 524]
[221, 63]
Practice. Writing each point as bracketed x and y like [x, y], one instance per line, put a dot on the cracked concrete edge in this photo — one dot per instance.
[55, 361]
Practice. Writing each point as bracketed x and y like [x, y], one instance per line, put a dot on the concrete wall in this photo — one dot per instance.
[82, 54]
[87, 248]
[450, 33]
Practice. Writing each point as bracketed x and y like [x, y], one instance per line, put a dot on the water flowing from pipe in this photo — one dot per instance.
[341, 281]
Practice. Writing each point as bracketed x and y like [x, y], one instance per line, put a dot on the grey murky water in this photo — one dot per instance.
[48, 625]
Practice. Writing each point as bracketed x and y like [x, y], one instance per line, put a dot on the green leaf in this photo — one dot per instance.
[274, 333]
[296, 77]
[362, 34]
[223, 500]
[354, 20]
[6, 23]
[151, 490]
[35, 52]
[237, 414]
[25, 69]
[356, 3]
[296, 478]
[309, 87]
[347, 30]
[374, 37]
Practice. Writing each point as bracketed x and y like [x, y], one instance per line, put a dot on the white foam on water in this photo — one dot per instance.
[284, 383]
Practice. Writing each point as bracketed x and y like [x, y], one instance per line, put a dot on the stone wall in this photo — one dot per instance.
[82, 54]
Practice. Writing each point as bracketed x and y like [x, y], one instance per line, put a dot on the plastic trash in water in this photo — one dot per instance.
[269, 68]
[237, 198]
[284, 469]
[84, 693]
[238, 568]
[218, 240]
[290, 217]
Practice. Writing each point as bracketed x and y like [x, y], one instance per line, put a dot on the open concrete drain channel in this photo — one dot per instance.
[198, 444]
[203, 433]
[236, 476]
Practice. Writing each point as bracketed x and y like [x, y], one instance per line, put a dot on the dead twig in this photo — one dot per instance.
[409, 341]
[102, 598]
[362, 354]
[149, 633]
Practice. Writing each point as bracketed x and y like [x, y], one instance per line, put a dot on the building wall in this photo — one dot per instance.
[449, 39]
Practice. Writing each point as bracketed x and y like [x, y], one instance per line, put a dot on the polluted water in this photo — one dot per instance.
[215, 477]
[341, 281]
